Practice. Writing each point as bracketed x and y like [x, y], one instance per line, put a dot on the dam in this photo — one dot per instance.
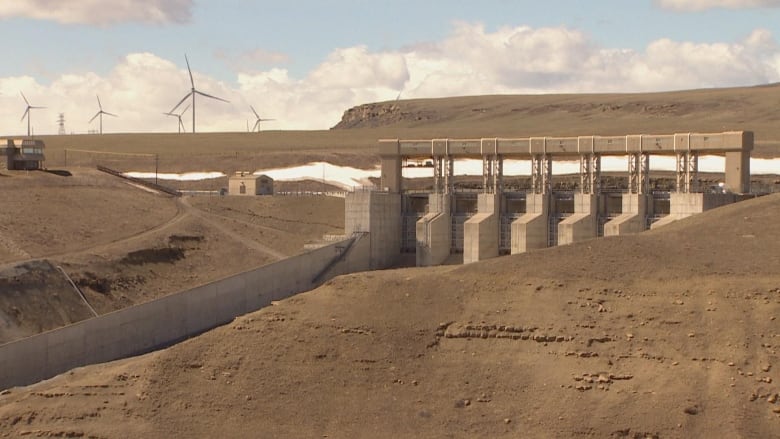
[494, 219]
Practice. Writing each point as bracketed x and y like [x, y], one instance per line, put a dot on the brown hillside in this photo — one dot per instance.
[706, 110]
[667, 334]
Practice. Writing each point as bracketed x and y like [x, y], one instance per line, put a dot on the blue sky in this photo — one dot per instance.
[304, 62]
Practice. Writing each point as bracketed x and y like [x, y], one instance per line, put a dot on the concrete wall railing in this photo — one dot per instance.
[162, 322]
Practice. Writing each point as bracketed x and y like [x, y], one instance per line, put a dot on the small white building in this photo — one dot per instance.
[246, 183]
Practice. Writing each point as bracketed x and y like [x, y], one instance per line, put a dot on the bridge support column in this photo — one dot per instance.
[434, 231]
[390, 162]
[541, 174]
[687, 172]
[636, 202]
[738, 171]
[480, 232]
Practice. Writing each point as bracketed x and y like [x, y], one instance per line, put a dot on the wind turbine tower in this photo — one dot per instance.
[259, 119]
[178, 116]
[193, 92]
[101, 113]
[27, 113]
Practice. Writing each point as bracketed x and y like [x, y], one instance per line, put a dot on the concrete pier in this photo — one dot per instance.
[581, 225]
[434, 231]
[480, 232]
[530, 231]
[633, 219]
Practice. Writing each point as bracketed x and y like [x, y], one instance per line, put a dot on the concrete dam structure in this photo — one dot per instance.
[494, 220]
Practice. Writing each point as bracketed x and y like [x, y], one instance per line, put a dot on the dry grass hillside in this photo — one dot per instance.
[666, 334]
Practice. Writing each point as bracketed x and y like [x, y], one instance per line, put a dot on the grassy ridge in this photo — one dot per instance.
[706, 110]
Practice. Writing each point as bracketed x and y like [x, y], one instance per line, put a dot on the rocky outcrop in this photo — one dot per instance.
[380, 114]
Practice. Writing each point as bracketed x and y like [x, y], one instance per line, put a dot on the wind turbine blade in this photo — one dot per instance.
[257, 124]
[192, 81]
[184, 110]
[110, 114]
[36, 108]
[181, 124]
[99, 104]
[25, 114]
[253, 111]
[25, 99]
[181, 101]
[265, 120]
[210, 96]
[93, 117]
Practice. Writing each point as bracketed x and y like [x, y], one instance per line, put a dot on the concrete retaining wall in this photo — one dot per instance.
[162, 322]
[378, 214]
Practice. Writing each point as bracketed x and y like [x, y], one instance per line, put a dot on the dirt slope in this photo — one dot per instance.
[37, 288]
[123, 245]
[669, 334]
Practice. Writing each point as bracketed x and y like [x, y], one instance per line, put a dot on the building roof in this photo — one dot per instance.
[248, 175]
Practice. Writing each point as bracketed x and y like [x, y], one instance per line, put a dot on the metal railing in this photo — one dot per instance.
[139, 181]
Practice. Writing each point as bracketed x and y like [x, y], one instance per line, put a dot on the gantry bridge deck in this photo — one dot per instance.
[666, 144]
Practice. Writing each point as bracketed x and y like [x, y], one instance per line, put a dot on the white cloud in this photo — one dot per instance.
[100, 12]
[470, 61]
[701, 5]
[355, 67]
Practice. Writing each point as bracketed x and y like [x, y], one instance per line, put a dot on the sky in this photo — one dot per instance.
[303, 63]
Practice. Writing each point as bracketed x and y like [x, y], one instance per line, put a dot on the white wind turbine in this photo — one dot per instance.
[178, 116]
[259, 119]
[101, 113]
[192, 93]
[27, 113]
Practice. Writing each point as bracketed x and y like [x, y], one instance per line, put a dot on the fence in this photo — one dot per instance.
[141, 182]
